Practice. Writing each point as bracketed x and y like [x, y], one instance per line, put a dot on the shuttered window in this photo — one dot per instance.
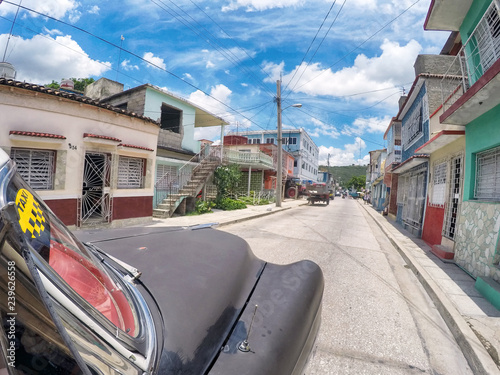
[130, 173]
[488, 175]
[36, 167]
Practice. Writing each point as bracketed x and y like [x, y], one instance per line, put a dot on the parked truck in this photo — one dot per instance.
[318, 192]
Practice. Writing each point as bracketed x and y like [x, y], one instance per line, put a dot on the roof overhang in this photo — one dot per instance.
[446, 14]
[410, 163]
[479, 99]
[204, 119]
[441, 139]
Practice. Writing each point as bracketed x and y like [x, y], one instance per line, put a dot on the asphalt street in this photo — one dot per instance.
[377, 318]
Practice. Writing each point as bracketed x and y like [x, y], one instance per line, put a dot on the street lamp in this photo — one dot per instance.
[279, 177]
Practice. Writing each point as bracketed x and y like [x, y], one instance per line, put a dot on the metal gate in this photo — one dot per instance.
[414, 203]
[96, 202]
[454, 197]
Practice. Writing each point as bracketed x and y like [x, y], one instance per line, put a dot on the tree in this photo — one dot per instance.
[357, 182]
[53, 85]
[80, 83]
[226, 179]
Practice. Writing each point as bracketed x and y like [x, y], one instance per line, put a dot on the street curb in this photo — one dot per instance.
[234, 221]
[257, 215]
[477, 356]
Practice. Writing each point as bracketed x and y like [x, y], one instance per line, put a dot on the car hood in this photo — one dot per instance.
[201, 291]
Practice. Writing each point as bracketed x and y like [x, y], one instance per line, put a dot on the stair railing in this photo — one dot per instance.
[170, 184]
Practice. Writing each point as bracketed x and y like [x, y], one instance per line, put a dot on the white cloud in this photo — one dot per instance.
[210, 64]
[363, 125]
[125, 64]
[188, 76]
[157, 62]
[74, 16]
[52, 32]
[393, 67]
[53, 8]
[43, 59]
[94, 10]
[260, 5]
[321, 129]
[349, 155]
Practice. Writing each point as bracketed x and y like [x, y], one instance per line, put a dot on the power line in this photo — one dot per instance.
[230, 37]
[316, 51]
[211, 40]
[361, 44]
[132, 54]
[312, 42]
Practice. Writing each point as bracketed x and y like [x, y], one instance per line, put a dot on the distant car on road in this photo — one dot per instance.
[145, 300]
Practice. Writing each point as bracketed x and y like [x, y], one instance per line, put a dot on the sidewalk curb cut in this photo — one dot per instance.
[478, 358]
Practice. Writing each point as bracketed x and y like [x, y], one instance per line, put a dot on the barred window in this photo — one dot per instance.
[413, 127]
[402, 190]
[488, 37]
[130, 173]
[162, 170]
[439, 184]
[36, 167]
[487, 183]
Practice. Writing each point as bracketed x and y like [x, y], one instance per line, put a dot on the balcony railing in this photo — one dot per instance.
[250, 158]
[393, 157]
[476, 56]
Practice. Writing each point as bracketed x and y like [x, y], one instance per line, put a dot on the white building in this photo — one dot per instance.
[296, 142]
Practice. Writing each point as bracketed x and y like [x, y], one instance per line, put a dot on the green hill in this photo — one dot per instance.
[345, 173]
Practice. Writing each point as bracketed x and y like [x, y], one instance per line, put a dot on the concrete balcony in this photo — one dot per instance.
[249, 159]
[473, 88]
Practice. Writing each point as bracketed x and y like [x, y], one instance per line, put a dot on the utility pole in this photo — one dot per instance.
[279, 177]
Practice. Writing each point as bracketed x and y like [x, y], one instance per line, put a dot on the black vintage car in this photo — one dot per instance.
[195, 301]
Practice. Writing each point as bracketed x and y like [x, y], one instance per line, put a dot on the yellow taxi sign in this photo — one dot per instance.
[31, 217]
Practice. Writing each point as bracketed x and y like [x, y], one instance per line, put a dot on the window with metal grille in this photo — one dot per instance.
[487, 183]
[412, 128]
[130, 173]
[488, 37]
[402, 189]
[162, 170]
[454, 197]
[439, 184]
[36, 167]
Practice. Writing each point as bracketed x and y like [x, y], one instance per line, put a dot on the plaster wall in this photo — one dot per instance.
[152, 109]
[25, 110]
[481, 134]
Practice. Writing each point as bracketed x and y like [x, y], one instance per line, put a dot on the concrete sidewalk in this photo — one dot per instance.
[473, 320]
[228, 217]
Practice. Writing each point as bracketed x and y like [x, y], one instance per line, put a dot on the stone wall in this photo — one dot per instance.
[476, 243]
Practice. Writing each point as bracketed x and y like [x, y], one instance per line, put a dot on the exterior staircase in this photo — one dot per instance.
[199, 177]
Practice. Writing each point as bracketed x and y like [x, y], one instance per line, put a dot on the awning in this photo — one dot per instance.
[410, 163]
[441, 139]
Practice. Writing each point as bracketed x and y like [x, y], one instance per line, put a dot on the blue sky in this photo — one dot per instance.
[347, 61]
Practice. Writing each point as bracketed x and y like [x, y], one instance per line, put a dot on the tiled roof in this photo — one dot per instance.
[71, 96]
[134, 146]
[37, 134]
[90, 135]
